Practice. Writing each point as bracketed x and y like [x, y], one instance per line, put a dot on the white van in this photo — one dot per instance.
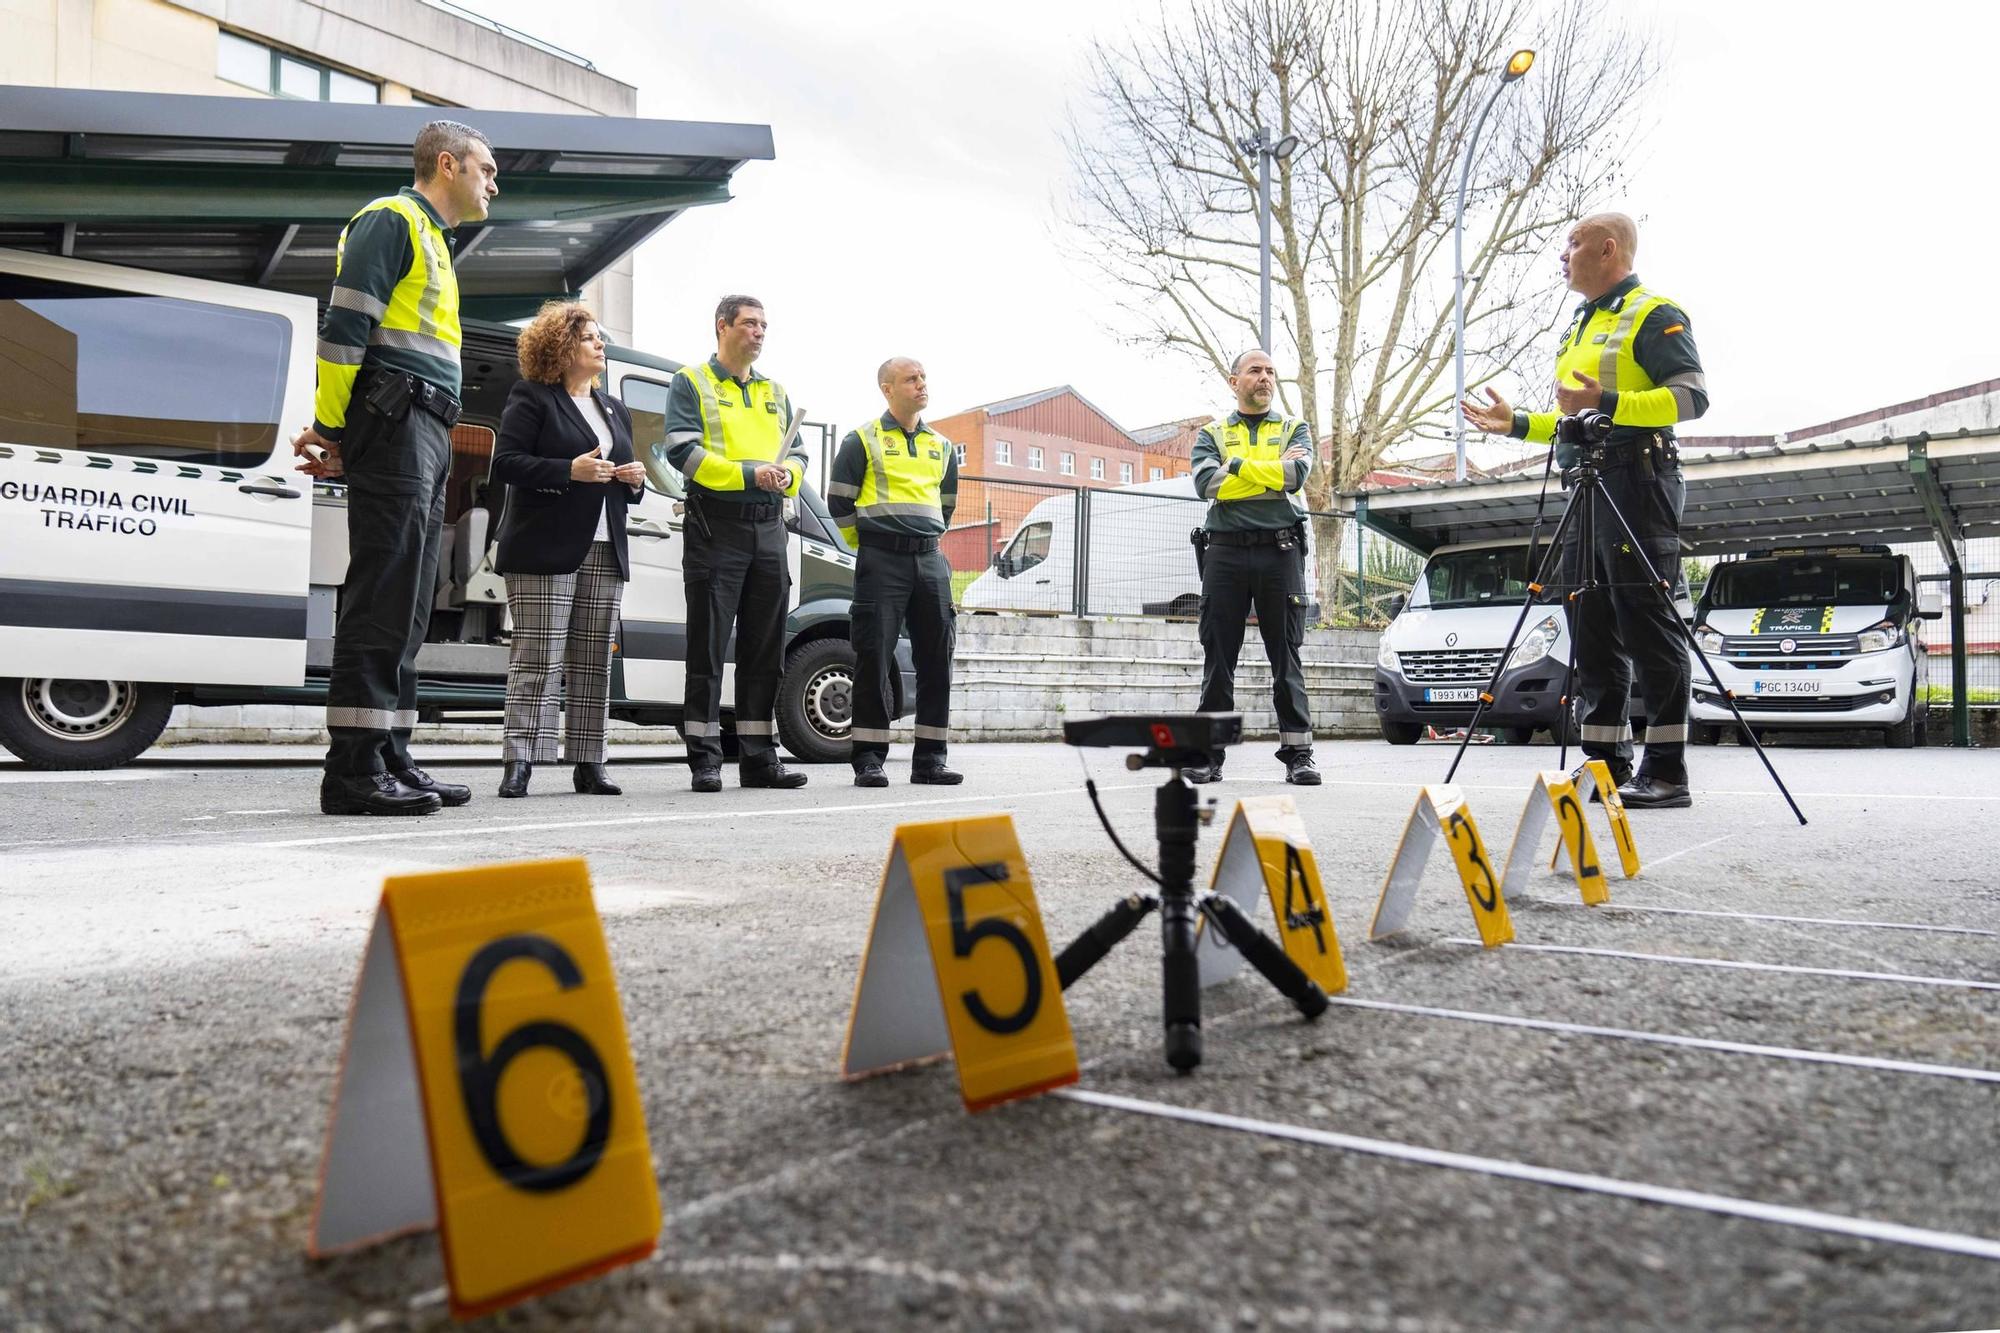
[158, 546]
[1439, 651]
[1140, 561]
[1815, 637]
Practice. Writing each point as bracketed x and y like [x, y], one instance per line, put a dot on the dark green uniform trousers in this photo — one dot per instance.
[1629, 626]
[395, 473]
[892, 588]
[1272, 579]
[735, 572]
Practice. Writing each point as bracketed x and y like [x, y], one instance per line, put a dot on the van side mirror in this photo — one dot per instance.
[1396, 603]
[1930, 601]
[1003, 565]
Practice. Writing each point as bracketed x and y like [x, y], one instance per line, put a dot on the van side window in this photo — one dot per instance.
[646, 400]
[102, 371]
[1029, 548]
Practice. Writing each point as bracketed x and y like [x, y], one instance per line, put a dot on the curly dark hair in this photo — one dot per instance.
[550, 342]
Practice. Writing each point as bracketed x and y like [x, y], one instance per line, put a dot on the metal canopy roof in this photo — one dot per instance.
[1913, 489]
[256, 190]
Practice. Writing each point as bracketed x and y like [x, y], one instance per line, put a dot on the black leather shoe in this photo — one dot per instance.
[451, 793]
[770, 775]
[1300, 772]
[1646, 792]
[707, 779]
[373, 794]
[935, 774]
[870, 774]
[1618, 779]
[592, 780]
[1200, 773]
[514, 777]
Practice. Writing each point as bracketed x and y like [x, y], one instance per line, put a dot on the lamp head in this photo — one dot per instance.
[1285, 147]
[1517, 64]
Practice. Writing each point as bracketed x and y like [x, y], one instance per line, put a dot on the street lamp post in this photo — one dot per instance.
[1517, 65]
[1260, 143]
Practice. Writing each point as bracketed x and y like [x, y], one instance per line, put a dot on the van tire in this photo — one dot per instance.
[1399, 733]
[1520, 735]
[1704, 733]
[1903, 735]
[78, 724]
[816, 701]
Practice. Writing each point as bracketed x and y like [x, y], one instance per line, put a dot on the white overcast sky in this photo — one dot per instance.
[1818, 190]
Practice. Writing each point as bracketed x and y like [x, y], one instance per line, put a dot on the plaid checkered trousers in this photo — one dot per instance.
[562, 642]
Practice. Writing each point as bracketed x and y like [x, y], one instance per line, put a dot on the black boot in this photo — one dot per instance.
[450, 793]
[592, 780]
[933, 772]
[1647, 792]
[773, 774]
[868, 773]
[373, 794]
[1198, 774]
[1300, 770]
[514, 777]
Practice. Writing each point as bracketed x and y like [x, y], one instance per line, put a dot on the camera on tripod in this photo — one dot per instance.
[1584, 429]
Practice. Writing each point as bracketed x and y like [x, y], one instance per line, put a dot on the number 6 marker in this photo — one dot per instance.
[957, 964]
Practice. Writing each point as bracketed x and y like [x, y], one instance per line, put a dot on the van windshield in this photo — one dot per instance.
[1808, 581]
[1477, 578]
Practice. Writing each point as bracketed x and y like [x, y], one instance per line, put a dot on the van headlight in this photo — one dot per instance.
[1385, 657]
[1536, 644]
[1878, 638]
[1707, 639]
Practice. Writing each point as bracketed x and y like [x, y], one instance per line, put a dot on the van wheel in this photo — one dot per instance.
[1520, 735]
[1400, 733]
[1703, 733]
[816, 701]
[81, 723]
[1903, 735]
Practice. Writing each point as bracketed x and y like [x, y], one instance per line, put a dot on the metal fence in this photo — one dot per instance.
[1065, 549]
[1982, 620]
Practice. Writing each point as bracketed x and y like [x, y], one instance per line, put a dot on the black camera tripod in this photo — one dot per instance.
[1587, 491]
[1177, 820]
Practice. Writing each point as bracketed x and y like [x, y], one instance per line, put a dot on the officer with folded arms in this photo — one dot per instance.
[729, 432]
[386, 402]
[894, 485]
[1252, 467]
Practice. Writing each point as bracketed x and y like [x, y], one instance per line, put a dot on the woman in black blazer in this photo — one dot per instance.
[565, 454]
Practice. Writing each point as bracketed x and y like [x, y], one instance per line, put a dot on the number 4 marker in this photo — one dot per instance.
[957, 963]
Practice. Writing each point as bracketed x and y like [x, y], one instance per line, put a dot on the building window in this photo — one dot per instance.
[1124, 474]
[1155, 474]
[1034, 458]
[282, 74]
[1067, 464]
[1003, 452]
[959, 451]
[1097, 469]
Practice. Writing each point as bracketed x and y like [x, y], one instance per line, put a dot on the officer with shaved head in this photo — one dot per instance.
[1252, 468]
[894, 485]
[1628, 353]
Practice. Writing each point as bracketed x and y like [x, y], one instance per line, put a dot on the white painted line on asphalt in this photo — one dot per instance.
[1406, 784]
[1768, 916]
[1862, 1228]
[1675, 1039]
[488, 828]
[257, 812]
[1675, 856]
[1685, 961]
[30, 775]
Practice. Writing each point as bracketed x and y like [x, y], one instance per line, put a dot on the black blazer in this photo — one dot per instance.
[548, 520]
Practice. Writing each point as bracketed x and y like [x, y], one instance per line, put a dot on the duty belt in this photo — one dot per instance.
[756, 511]
[435, 401]
[882, 541]
[1253, 536]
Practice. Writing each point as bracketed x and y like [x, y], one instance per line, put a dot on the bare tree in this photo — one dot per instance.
[1381, 95]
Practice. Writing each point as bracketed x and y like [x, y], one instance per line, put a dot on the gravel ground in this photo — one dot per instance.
[180, 939]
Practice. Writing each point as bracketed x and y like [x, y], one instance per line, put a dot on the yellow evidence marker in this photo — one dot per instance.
[1596, 776]
[1441, 810]
[487, 1088]
[1267, 854]
[1554, 794]
[957, 964]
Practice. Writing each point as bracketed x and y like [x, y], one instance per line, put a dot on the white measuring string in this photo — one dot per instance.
[1684, 961]
[1864, 1228]
[1676, 1039]
[1767, 916]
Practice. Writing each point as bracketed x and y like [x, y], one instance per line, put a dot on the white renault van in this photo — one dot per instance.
[1815, 638]
[158, 546]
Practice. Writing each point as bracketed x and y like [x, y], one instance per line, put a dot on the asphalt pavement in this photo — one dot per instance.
[1522, 1138]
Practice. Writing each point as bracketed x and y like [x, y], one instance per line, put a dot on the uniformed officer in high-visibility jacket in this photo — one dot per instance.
[387, 398]
[894, 485]
[1629, 352]
[729, 432]
[1252, 467]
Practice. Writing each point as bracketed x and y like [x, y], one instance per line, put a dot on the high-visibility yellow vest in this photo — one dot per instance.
[735, 432]
[416, 330]
[1233, 437]
[1602, 349]
[905, 477]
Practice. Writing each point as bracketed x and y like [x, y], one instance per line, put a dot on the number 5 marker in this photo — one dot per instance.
[957, 963]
